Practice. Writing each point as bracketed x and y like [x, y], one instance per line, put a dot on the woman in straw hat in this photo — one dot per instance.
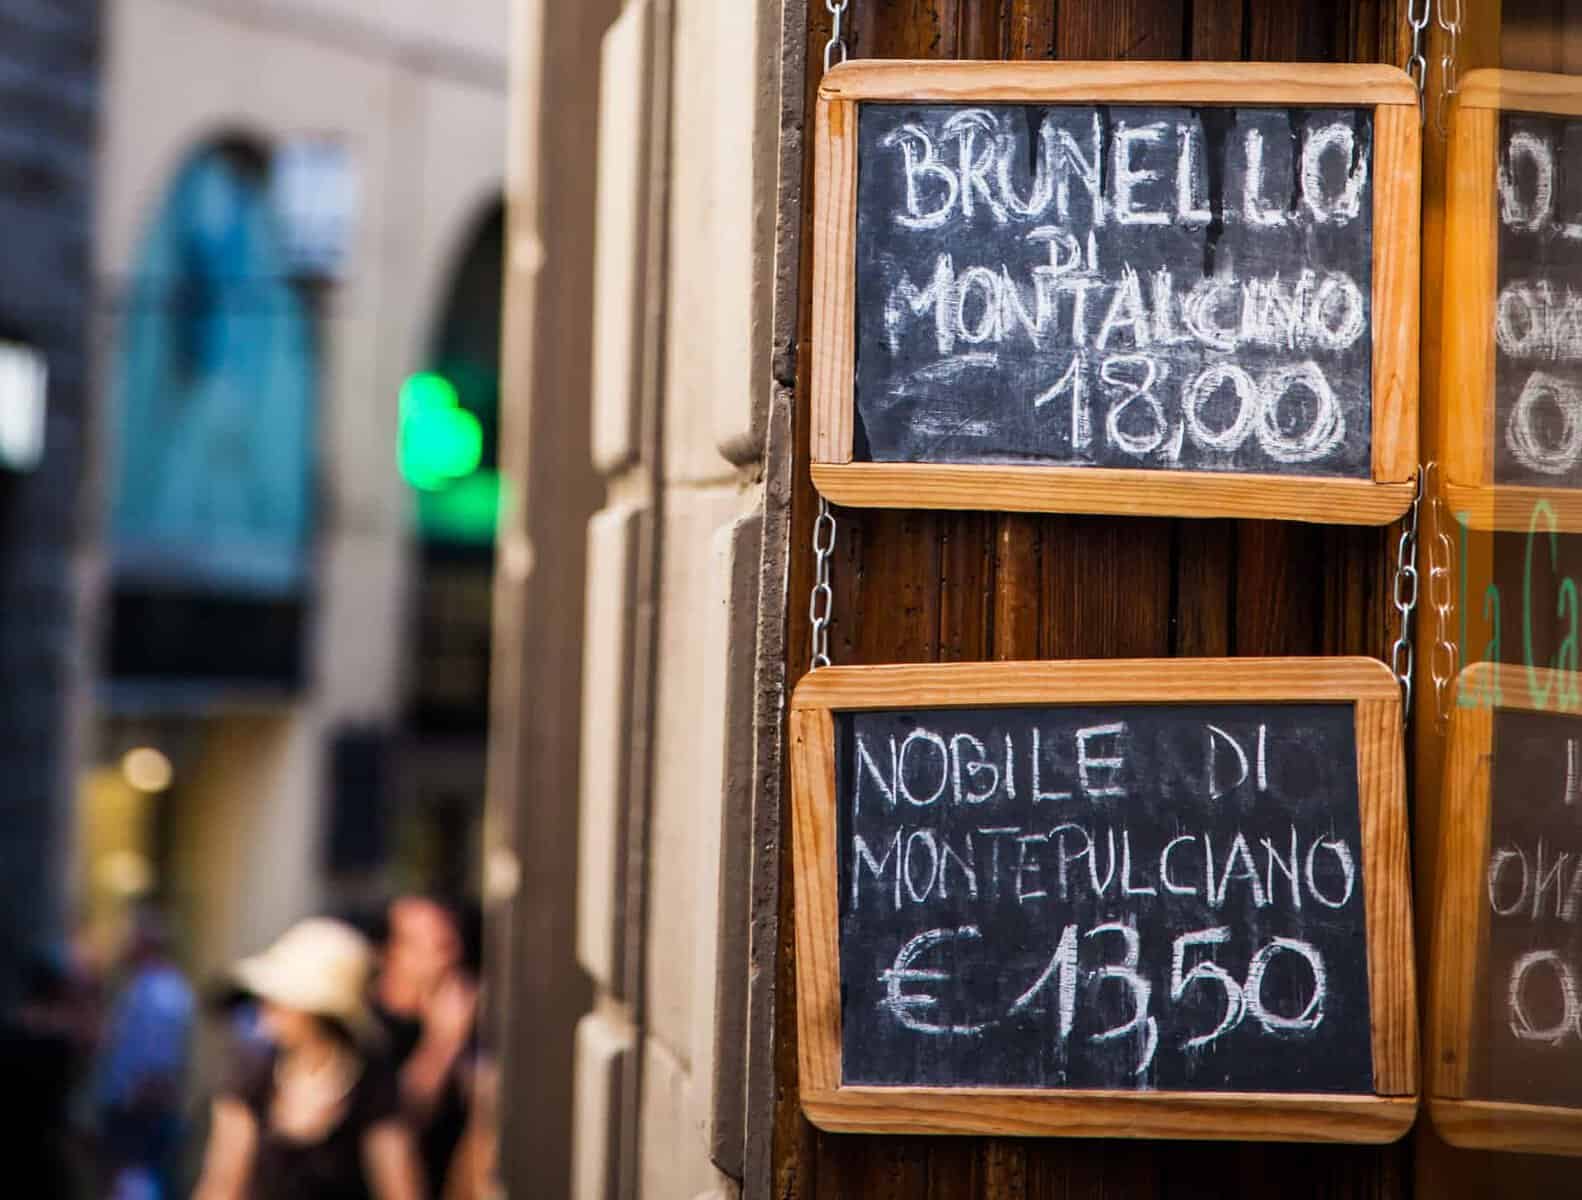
[321, 1120]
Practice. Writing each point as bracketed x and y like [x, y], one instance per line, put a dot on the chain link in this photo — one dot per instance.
[837, 40]
[1449, 17]
[1445, 655]
[1417, 14]
[1402, 655]
[821, 604]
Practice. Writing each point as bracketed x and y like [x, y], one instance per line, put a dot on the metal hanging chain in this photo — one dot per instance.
[1417, 13]
[1445, 655]
[1402, 656]
[1449, 18]
[821, 604]
[837, 41]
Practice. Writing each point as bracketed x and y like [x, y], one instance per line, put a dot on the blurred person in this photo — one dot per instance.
[426, 994]
[143, 1062]
[320, 1118]
[45, 1045]
[474, 1168]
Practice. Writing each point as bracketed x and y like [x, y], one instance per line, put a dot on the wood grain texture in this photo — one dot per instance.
[1030, 30]
[1466, 401]
[834, 279]
[1495, 89]
[1082, 587]
[1203, 570]
[1187, 1116]
[1136, 83]
[1387, 880]
[1275, 28]
[966, 611]
[1461, 931]
[1106, 588]
[1521, 688]
[1143, 681]
[1395, 297]
[1018, 593]
[1397, 206]
[973, 27]
[1515, 1128]
[1460, 920]
[1217, 27]
[1108, 491]
[1120, 29]
[1515, 508]
[1386, 873]
[817, 902]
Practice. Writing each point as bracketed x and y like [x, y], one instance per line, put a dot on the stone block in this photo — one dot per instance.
[672, 1157]
[604, 1057]
[723, 176]
[719, 1007]
[620, 257]
[689, 734]
[605, 772]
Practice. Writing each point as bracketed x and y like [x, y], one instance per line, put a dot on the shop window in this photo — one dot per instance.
[214, 397]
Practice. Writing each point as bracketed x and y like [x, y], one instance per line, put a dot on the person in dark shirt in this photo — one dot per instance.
[44, 1044]
[426, 996]
[320, 1119]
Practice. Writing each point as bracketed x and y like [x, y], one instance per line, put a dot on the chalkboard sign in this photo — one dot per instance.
[1173, 288]
[1538, 305]
[1218, 298]
[1506, 1038]
[1122, 896]
[1124, 882]
[1512, 377]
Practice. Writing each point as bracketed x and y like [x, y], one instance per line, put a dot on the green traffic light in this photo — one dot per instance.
[439, 441]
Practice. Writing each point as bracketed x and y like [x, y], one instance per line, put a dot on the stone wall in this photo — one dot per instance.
[683, 225]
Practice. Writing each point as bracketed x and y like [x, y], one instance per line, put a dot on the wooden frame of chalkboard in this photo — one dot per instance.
[1458, 984]
[831, 694]
[1470, 436]
[1375, 495]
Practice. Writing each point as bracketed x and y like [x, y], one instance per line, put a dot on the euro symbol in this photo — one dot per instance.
[904, 1005]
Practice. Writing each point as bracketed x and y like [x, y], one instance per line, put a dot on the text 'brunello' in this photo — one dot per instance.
[1117, 286]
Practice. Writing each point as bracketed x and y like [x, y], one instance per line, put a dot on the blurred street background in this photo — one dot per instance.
[250, 292]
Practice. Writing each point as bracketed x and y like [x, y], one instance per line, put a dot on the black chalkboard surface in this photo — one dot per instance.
[1505, 968]
[1114, 897]
[1142, 289]
[1537, 419]
[1173, 288]
[1530, 1049]
[1140, 898]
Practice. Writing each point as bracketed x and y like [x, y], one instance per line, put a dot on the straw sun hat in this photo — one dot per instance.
[318, 966]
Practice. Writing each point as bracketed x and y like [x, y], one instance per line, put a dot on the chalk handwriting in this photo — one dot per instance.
[1538, 306]
[1129, 286]
[1132, 892]
[1065, 981]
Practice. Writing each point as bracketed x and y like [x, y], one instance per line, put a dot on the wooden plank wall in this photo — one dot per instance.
[933, 587]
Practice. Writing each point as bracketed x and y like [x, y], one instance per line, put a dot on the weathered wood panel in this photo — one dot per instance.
[940, 586]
